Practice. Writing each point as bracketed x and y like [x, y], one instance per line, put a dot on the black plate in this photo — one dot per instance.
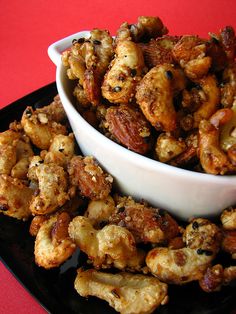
[54, 289]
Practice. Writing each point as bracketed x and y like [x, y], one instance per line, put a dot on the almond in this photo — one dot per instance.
[129, 127]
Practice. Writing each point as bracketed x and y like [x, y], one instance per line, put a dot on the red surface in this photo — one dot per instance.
[29, 27]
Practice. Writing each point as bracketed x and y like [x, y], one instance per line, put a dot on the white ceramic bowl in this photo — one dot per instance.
[182, 192]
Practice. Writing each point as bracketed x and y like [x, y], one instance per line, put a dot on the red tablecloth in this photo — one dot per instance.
[28, 27]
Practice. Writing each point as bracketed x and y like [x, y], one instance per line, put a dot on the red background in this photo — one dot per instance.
[28, 27]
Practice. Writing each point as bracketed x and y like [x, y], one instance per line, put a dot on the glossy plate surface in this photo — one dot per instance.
[54, 289]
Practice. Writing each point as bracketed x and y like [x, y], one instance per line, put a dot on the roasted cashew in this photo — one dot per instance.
[155, 95]
[124, 73]
[53, 245]
[126, 293]
[52, 189]
[110, 246]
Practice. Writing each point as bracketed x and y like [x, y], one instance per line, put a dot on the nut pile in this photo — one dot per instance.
[134, 251]
[171, 98]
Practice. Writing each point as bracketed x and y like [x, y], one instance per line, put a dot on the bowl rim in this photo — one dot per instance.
[139, 159]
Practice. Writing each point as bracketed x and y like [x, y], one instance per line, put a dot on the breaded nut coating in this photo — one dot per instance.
[40, 126]
[177, 266]
[147, 27]
[228, 219]
[158, 51]
[52, 189]
[89, 177]
[53, 245]
[15, 198]
[99, 211]
[126, 293]
[124, 73]
[110, 246]
[203, 235]
[212, 157]
[190, 53]
[147, 224]
[155, 95]
[8, 158]
[129, 127]
[61, 150]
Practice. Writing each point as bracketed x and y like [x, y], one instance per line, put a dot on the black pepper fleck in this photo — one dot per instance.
[195, 225]
[169, 75]
[4, 207]
[206, 252]
[133, 72]
[121, 209]
[81, 40]
[28, 112]
[96, 42]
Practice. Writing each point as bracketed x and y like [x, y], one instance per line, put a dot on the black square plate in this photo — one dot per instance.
[54, 289]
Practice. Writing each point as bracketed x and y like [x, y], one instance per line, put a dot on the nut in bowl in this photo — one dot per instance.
[182, 92]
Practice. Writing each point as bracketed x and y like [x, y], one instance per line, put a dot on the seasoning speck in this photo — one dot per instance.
[117, 89]
[169, 75]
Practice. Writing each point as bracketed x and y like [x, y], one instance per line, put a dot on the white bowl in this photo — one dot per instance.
[183, 193]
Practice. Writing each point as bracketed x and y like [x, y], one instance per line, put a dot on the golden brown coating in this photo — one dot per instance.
[213, 278]
[204, 236]
[110, 246]
[229, 274]
[98, 212]
[15, 198]
[147, 224]
[212, 158]
[228, 219]
[35, 161]
[124, 72]
[61, 150]
[53, 245]
[54, 110]
[168, 147]
[97, 62]
[89, 178]
[217, 276]
[80, 95]
[229, 242]
[126, 293]
[177, 266]
[228, 134]
[36, 223]
[190, 53]
[189, 155]
[147, 27]
[15, 151]
[41, 127]
[228, 89]
[129, 127]
[155, 95]
[52, 189]
[228, 40]
[211, 102]
[8, 157]
[24, 152]
[159, 51]
[74, 61]
[88, 60]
